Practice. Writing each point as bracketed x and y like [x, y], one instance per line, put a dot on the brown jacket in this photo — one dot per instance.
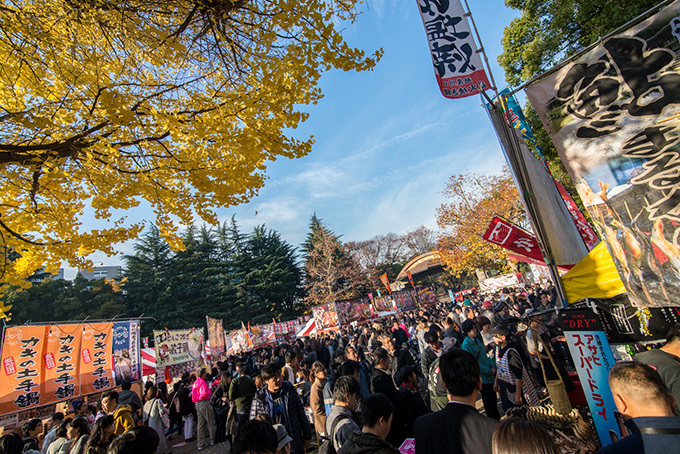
[317, 404]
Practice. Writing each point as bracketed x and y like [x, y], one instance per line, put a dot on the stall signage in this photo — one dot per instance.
[593, 360]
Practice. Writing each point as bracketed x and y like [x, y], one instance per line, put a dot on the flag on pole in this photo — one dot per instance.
[509, 236]
[457, 64]
[386, 282]
[410, 279]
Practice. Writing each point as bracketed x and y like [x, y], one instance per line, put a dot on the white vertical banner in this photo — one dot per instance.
[457, 64]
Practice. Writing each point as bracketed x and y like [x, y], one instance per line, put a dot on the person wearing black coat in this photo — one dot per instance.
[458, 428]
[381, 382]
[280, 401]
[413, 405]
[431, 352]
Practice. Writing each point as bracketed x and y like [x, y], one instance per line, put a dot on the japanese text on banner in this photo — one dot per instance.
[456, 61]
[22, 354]
[593, 360]
[61, 362]
[96, 370]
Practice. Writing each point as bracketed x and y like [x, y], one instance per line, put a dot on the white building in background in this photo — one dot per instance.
[102, 272]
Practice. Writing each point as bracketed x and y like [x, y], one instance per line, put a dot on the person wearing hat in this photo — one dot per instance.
[283, 439]
[79, 408]
[513, 382]
[539, 336]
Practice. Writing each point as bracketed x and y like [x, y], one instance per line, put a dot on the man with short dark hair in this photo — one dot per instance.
[340, 423]
[128, 397]
[256, 437]
[51, 426]
[376, 415]
[666, 361]
[241, 393]
[280, 401]
[288, 371]
[433, 350]
[382, 382]
[647, 409]
[458, 428]
[122, 414]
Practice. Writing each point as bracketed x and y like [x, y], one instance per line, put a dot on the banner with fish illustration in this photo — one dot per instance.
[614, 116]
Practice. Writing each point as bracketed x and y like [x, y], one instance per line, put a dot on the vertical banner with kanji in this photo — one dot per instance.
[457, 64]
[96, 370]
[61, 362]
[593, 359]
[613, 116]
[126, 352]
[22, 355]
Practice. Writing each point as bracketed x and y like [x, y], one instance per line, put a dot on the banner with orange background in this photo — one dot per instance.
[22, 353]
[96, 357]
[61, 363]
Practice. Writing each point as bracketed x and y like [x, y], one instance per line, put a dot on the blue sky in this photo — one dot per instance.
[386, 140]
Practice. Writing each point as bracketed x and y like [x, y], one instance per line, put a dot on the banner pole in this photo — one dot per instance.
[481, 48]
[525, 188]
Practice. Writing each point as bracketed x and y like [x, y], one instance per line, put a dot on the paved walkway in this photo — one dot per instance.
[177, 446]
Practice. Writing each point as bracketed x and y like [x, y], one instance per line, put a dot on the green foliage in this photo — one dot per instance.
[222, 273]
[58, 299]
[550, 30]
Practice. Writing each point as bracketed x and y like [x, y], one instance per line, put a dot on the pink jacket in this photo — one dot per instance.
[200, 390]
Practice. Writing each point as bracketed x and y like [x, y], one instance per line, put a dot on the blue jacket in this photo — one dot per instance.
[486, 364]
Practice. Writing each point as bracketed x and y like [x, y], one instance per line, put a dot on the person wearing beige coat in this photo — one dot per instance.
[316, 397]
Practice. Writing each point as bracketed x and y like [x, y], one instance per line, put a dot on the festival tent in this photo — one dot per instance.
[308, 329]
[148, 361]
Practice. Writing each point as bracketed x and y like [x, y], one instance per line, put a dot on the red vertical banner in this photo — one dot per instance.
[96, 358]
[386, 282]
[61, 362]
[410, 279]
[22, 353]
[587, 233]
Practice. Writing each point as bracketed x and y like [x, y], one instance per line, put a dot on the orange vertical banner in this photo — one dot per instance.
[96, 357]
[61, 362]
[21, 374]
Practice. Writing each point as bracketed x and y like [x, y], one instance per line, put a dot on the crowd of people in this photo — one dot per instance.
[367, 388]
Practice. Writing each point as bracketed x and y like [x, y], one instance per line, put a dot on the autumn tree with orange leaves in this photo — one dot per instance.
[474, 200]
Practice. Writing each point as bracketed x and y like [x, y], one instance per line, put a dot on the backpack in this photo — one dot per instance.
[327, 445]
[438, 397]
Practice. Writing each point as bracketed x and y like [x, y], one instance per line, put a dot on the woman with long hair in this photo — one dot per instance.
[101, 436]
[153, 411]
[220, 403]
[78, 432]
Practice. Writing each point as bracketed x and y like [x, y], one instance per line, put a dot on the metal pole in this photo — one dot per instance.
[481, 48]
[87, 320]
[524, 182]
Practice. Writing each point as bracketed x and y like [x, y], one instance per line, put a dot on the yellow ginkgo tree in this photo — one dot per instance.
[177, 105]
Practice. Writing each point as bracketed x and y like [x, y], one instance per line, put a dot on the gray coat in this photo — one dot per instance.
[343, 429]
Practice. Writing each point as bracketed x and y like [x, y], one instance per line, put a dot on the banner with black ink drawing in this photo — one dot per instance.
[614, 116]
